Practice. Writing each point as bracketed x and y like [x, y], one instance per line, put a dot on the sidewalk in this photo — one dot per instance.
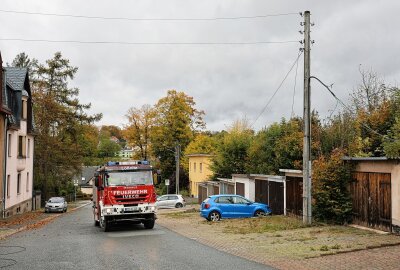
[319, 247]
[32, 220]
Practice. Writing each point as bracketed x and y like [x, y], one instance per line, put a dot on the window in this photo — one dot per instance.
[201, 167]
[19, 184]
[24, 111]
[9, 145]
[21, 146]
[28, 151]
[8, 186]
[224, 199]
[194, 167]
[27, 182]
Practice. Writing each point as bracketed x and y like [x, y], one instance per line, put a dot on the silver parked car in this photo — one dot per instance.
[56, 204]
[170, 201]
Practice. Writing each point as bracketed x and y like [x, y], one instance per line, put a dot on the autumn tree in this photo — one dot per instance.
[137, 132]
[175, 119]
[59, 120]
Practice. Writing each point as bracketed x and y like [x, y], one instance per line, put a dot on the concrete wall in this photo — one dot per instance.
[387, 166]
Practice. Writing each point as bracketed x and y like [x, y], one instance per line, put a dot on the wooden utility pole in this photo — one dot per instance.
[307, 215]
[177, 158]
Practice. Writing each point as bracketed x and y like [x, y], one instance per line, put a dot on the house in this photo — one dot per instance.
[199, 171]
[126, 153]
[4, 111]
[19, 142]
[375, 192]
[85, 179]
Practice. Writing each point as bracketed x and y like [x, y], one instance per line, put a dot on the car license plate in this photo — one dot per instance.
[135, 208]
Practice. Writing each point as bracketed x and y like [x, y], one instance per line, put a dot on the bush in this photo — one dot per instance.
[331, 177]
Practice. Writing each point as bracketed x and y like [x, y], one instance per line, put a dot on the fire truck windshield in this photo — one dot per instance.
[129, 178]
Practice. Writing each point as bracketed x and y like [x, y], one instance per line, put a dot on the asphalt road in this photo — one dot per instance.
[73, 242]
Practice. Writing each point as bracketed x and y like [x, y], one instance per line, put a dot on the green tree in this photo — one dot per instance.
[331, 178]
[107, 147]
[391, 145]
[232, 150]
[58, 120]
[262, 151]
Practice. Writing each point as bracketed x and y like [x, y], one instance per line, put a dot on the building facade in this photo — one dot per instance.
[18, 184]
[199, 171]
[4, 111]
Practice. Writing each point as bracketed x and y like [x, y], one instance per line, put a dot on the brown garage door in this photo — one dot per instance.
[271, 193]
[294, 193]
[240, 189]
[371, 198]
[216, 190]
[202, 194]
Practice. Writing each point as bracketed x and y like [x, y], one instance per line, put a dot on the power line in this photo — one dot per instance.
[294, 88]
[279, 87]
[148, 43]
[147, 19]
[351, 111]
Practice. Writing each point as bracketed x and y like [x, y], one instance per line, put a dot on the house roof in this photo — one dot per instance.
[16, 77]
[86, 175]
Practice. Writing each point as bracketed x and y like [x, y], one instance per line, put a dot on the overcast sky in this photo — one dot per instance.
[228, 82]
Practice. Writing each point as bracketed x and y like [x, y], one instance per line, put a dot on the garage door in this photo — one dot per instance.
[202, 194]
[240, 189]
[371, 198]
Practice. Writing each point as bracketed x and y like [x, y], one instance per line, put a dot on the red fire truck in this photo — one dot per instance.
[124, 191]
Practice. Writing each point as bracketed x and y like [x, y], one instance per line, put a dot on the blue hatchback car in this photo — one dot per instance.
[216, 207]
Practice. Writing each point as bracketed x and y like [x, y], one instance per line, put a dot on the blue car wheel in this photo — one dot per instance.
[259, 213]
[214, 216]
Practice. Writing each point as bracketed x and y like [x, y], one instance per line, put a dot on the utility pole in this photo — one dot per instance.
[307, 215]
[177, 158]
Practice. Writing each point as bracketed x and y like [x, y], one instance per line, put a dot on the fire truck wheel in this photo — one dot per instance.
[105, 224]
[149, 224]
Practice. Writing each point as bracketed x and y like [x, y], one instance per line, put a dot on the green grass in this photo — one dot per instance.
[261, 225]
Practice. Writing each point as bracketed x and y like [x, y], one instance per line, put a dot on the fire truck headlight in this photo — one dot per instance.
[108, 210]
[152, 208]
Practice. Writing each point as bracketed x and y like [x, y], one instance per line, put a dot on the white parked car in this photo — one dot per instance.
[56, 204]
[170, 201]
